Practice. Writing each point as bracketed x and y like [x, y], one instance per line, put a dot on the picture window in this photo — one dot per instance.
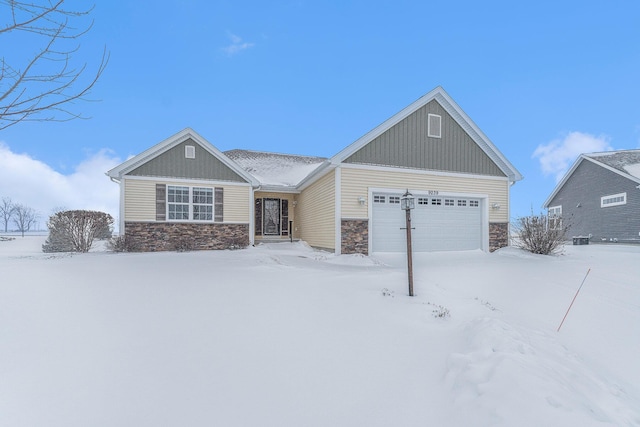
[190, 203]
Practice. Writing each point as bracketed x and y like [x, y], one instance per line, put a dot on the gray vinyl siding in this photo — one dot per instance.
[174, 164]
[585, 187]
[407, 145]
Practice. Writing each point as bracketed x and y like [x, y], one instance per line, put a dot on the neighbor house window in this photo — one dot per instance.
[555, 217]
[190, 203]
[613, 200]
[434, 126]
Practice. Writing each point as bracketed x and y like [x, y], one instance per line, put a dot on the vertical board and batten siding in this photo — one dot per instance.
[356, 183]
[585, 187]
[316, 213]
[174, 164]
[140, 199]
[407, 145]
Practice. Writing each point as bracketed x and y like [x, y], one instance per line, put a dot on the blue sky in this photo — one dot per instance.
[544, 80]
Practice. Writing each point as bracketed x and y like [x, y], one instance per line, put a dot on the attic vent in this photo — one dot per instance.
[189, 151]
[434, 126]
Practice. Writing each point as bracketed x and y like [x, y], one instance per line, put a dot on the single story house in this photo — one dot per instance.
[184, 188]
[599, 197]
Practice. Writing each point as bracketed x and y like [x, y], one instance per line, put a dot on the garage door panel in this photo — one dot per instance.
[456, 225]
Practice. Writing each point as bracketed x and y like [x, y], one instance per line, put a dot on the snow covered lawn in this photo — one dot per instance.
[282, 335]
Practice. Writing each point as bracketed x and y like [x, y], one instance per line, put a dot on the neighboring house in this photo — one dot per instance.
[599, 197]
[185, 188]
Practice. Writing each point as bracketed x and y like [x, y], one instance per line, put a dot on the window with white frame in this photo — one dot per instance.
[379, 199]
[613, 200]
[394, 200]
[202, 203]
[555, 217]
[190, 203]
[178, 202]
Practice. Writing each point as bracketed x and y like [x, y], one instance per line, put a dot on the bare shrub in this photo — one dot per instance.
[540, 234]
[74, 231]
[123, 244]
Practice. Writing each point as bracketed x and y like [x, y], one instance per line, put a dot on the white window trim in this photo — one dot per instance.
[554, 216]
[190, 151]
[191, 204]
[432, 132]
[603, 200]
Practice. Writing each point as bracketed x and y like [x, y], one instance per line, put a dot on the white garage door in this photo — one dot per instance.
[440, 223]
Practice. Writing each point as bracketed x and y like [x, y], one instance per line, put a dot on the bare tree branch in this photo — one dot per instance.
[44, 86]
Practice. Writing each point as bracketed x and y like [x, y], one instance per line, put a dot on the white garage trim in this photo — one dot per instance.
[482, 198]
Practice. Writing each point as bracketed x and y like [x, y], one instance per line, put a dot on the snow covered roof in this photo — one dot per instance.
[627, 161]
[273, 169]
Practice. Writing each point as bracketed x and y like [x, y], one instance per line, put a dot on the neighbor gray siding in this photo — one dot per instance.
[173, 164]
[407, 145]
[586, 185]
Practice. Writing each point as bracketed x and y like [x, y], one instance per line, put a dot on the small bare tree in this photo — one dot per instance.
[75, 231]
[540, 234]
[24, 218]
[40, 86]
[7, 209]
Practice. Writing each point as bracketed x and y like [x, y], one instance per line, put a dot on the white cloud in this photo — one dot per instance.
[236, 45]
[558, 155]
[34, 184]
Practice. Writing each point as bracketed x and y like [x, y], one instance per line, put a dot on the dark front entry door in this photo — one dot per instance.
[271, 217]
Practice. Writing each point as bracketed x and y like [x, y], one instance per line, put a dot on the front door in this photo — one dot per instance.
[271, 217]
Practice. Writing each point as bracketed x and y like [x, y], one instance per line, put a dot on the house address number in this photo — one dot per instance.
[432, 192]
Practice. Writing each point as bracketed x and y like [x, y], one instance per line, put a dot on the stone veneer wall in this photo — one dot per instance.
[169, 236]
[355, 236]
[498, 235]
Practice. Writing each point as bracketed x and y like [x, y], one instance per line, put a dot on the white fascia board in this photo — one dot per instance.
[564, 179]
[171, 142]
[567, 175]
[278, 189]
[186, 181]
[477, 135]
[316, 174]
[454, 111]
[421, 171]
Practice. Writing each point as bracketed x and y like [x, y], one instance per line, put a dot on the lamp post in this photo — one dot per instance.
[408, 202]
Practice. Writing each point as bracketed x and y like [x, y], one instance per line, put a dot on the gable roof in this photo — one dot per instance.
[455, 112]
[186, 134]
[275, 170]
[625, 163]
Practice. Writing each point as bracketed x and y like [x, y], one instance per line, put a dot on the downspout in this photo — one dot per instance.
[120, 204]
